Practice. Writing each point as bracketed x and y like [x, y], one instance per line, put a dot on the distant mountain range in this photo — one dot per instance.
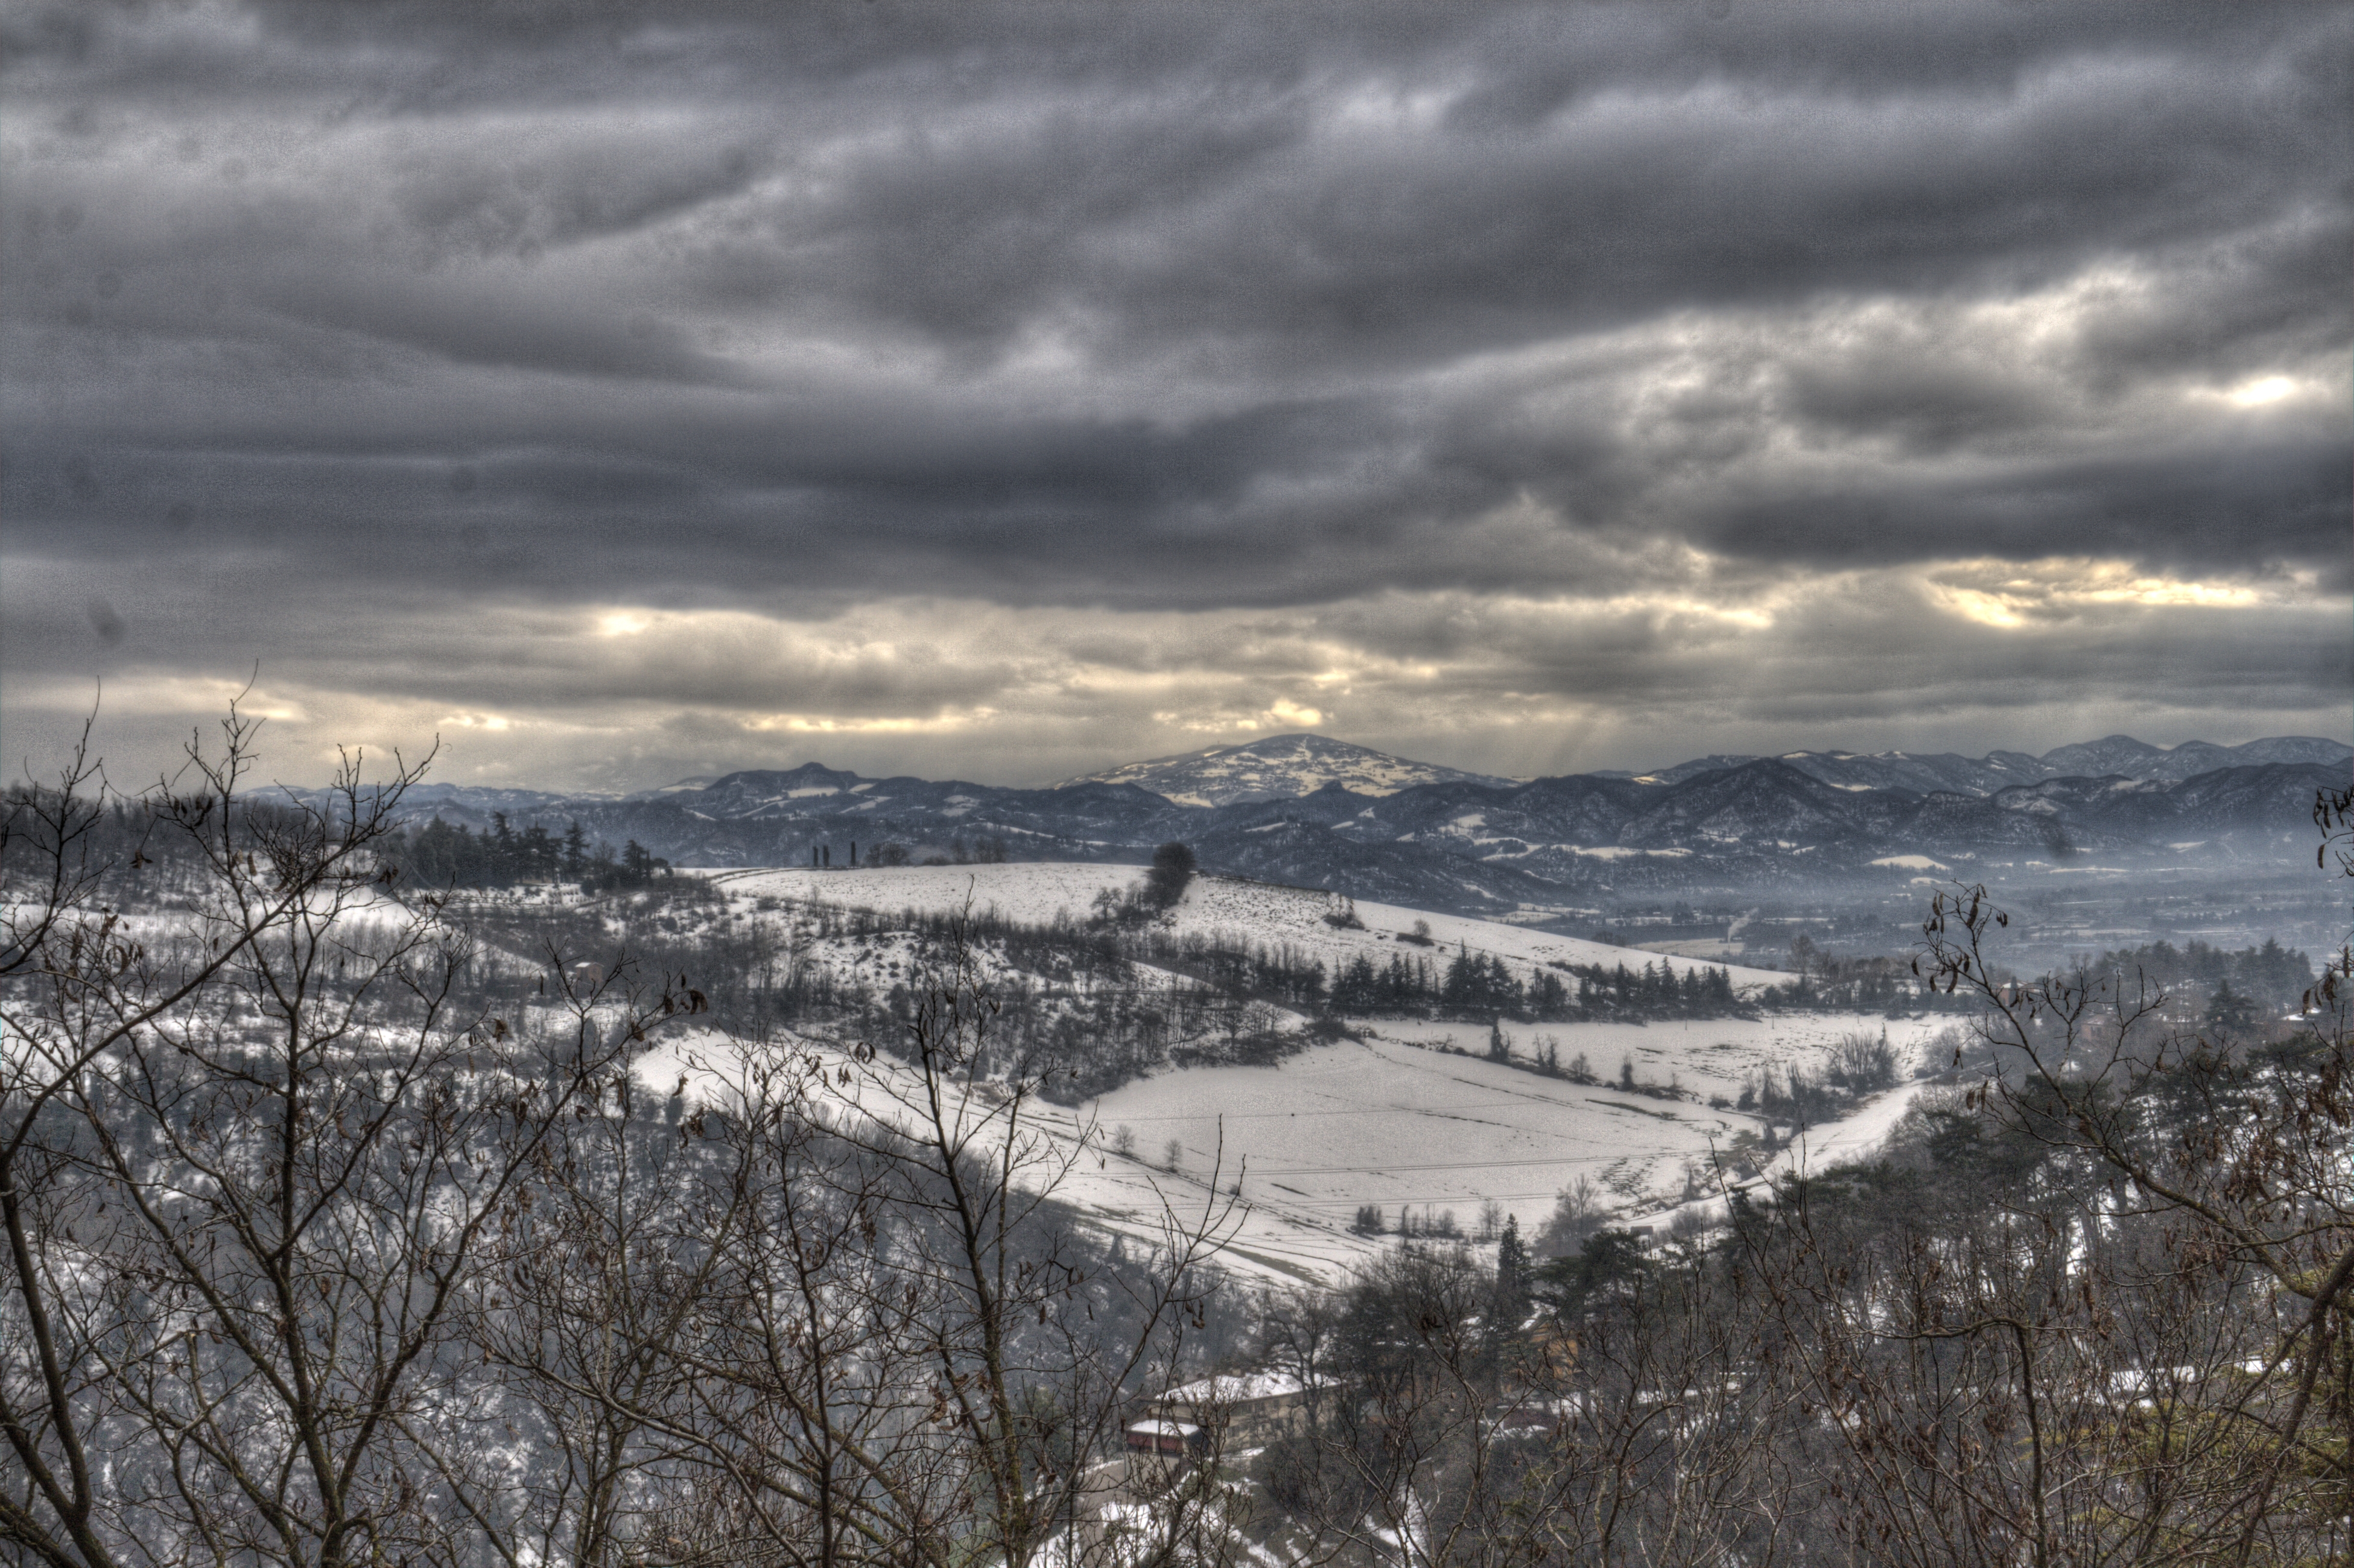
[1317, 812]
[1287, 767]
[1280, 767]
[2118, 754]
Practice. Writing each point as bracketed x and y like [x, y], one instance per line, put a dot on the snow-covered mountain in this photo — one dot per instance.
[1280, 767]
[682, 787]
[1378, 827]
[2121, 754]
[2118, 754]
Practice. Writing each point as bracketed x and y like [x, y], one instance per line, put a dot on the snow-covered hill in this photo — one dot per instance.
[1408, 1115]
[1280, 767]
[1392, 1121]
[1400, 1120]
[1261, 912]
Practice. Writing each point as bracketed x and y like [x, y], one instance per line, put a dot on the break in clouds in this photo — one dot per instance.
[1005, 391]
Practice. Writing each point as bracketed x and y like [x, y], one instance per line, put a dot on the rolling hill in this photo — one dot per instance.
[1400, 1113]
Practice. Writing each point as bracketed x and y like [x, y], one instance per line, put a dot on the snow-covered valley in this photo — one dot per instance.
[1410, 1116]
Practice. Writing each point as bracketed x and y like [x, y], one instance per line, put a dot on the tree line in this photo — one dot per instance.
[438, 854]
[2269, 976]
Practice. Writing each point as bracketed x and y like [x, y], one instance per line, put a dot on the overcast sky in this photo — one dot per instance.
[1004, 391]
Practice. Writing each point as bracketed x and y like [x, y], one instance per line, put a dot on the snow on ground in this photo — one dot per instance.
[1259, 911]
[1817, 1149]
[1705, 1056]
[360, 913]
[1391, 1122]
[1397, 1119]
[1120, 1196]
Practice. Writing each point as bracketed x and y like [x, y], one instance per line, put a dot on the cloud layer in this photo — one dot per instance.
[1006, 390]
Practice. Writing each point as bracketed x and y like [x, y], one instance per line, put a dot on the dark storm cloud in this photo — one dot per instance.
[2209, 505]
[320, 314]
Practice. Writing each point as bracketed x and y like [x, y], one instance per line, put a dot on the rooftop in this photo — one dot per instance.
[1234, 1389]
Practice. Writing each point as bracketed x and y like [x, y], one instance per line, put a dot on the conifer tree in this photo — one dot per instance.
[1511, 1277]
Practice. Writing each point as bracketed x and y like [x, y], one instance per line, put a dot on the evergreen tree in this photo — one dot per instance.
[1502, 993]
[1173, 869]
[539, 854]
[1511, 1277]
[1357, 989]
[2230, 1012]
[1455, 991]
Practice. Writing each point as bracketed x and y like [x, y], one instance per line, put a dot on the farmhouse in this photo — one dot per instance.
[1240, 1410]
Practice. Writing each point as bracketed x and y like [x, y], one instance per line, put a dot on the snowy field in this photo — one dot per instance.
[1128, 1198]
[361, 913]
[1411, 1115]
[1259, 911]
[1399, 1119]
[1394, 1124]
[1385, 1121]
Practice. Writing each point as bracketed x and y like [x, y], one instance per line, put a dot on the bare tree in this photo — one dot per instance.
[860, 1332]
[999, 1300]
[2236, 1153]
[1578, 1212]
[251, 1157]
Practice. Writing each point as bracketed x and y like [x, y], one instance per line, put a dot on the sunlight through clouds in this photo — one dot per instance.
[1540, 397]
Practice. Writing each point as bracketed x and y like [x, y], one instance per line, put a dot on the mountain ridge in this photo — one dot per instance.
[1281, 767]
[1296, 765]
[2115, 754]
[1467, 845]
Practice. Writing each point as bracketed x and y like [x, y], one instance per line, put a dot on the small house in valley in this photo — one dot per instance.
[1240, 1411]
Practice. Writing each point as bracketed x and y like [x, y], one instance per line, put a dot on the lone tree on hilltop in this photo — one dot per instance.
[1172, 868]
